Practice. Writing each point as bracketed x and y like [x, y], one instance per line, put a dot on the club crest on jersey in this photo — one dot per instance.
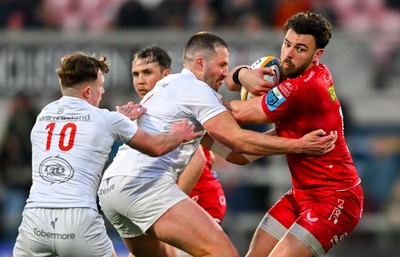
[55, 169]
[274, 99]
[61, 109]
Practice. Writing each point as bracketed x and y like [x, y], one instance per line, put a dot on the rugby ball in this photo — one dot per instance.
[266, 61]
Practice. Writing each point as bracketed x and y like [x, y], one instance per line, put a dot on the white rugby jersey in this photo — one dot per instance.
[174, 98]
[71, 141]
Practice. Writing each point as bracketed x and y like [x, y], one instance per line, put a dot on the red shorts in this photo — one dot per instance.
[319, 218]
[213, 201]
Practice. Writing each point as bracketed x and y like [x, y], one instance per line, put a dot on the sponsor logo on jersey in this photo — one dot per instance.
[274, 99]
[332, 93]
[336, 239]
[61, 109]
[53, 235]
[336, 212]
[64, 117]
[286, 88]
[265, 220]
[328, 79]
[309, 76]
[55, 169]
[106, 190]
[53, 223]
[311, 219]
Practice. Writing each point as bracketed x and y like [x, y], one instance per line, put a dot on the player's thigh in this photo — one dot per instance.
[32, 239]
[187, 226]
[261, 244]
[25, 247]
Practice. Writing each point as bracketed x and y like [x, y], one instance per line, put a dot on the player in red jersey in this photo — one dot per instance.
[326, 201]
[149, 65]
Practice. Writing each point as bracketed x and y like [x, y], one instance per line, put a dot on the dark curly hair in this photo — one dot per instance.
[308, 23]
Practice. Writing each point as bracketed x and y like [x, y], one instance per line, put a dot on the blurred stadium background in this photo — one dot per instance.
[363, 56]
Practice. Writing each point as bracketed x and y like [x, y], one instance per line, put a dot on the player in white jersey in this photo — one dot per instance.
[139, 194]
[71, 140]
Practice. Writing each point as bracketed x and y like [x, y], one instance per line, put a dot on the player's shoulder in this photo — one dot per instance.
[312, 75]
[108, 114]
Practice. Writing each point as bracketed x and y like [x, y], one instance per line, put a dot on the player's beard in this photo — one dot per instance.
[292, 71]
[211, 80]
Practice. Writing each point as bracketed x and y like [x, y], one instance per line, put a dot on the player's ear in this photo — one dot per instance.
[199, 63]
[85, 91]
[318, 54]
[166, 72]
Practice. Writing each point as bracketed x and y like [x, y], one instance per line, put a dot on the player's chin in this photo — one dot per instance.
[142, 93]
[217, 85]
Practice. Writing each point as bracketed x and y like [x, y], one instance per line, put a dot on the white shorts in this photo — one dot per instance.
[62, 232]
[134, 204]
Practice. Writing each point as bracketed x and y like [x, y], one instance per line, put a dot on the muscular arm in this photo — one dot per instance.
[162, 143]
[226, 130]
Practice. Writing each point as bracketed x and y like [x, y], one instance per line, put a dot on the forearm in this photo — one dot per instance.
[155, 145]
[255, 143]
[225, 129]
[238, 157]
[192, 172]
[165, 142]
[313, 143]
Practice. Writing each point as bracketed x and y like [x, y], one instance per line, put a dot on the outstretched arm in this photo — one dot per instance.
[162, 143]
[243, 159]
[225, 129]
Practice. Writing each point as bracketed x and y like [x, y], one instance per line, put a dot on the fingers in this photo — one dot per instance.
[128, 107]
[186, 130]
[319, 132]
[253, 80]
[330, 142]
[131, 110]
[268, 71]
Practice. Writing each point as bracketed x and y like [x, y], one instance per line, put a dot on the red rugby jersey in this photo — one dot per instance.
[303, 104]
[207, 181]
